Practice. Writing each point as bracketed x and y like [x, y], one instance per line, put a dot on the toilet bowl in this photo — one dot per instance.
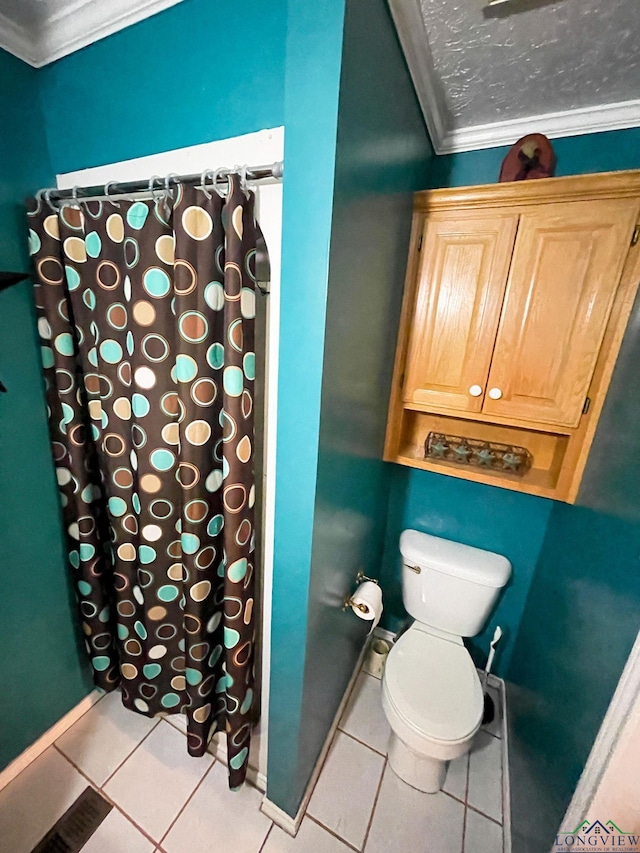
[431, 693]
[432, 698]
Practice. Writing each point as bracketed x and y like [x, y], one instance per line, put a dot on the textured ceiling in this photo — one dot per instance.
[34, 14]
[549, 57]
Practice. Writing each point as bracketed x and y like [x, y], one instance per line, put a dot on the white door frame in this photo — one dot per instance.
[625, 699]
[263, 147]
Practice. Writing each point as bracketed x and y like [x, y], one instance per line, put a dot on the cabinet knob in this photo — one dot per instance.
[475, 390]
[495, 393]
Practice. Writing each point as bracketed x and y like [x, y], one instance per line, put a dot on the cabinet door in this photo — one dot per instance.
[564, 273]
[461, 281]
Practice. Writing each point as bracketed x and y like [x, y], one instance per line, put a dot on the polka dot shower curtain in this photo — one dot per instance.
[146, 318]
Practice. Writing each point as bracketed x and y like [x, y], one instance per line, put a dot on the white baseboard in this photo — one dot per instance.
[383, 634]
[281, 818]
[506, 787]
[44, 742]
[278, 816]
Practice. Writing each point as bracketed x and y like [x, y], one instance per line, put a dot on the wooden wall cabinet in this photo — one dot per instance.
[516, 300]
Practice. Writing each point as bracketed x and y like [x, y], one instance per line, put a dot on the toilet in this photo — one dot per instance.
[431, 692]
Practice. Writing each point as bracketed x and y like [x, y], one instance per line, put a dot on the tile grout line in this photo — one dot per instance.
[487, 732]
[466, 804]
[106, 796]
[333, 833]
[484, 814]
[188, 800]
[124, 761]
[473, 808]
[266, 838]
[375, 803]
[362, 743]
[322, 766]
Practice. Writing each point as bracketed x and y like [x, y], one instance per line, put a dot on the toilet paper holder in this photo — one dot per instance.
[348, 602]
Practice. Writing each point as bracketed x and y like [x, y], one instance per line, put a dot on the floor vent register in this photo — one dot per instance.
[77, 824]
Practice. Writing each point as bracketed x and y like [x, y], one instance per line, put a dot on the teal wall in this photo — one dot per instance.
[486, 517]
[197, 72]
[382, 156]
[581, 612]
[314, 42]
[577, 155]
[42, 671]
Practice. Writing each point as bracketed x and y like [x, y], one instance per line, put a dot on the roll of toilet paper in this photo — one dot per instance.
[366, 603]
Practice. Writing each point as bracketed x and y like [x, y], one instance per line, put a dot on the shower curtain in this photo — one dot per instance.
[146, 316]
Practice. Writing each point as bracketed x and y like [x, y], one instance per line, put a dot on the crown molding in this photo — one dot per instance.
[412, 33]
[554, 125]
[407, 16]
[14, 39]
[75, 27]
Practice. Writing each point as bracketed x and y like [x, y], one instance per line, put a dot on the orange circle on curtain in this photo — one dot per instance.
[144, 313]
[150, 483]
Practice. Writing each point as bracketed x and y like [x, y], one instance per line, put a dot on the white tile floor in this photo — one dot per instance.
[166, 801]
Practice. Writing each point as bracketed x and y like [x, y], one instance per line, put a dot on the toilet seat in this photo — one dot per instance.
[432, 685]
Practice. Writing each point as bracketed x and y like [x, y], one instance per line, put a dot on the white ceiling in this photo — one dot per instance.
[487, 77]
[41, 31]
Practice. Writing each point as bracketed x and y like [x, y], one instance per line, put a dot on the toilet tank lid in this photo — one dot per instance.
[453, 558]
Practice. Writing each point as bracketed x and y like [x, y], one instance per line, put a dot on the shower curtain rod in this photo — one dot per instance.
[115, 188]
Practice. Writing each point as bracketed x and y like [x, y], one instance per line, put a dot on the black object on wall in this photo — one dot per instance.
[9, 278]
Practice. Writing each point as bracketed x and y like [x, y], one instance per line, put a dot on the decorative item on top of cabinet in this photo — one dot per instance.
[517, 296]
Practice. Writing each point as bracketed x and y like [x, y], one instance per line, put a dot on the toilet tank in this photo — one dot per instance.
[448, 585]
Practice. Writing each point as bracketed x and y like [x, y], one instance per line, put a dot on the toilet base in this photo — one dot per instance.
[420, 771]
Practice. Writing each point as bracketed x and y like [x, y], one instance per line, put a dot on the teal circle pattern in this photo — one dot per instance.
[186, 368]
[215, 356]
[146, 554]
[156, 282]
[140, 406]
[233, 380]
[93, 244]
[117, 506]
[162, 459]
[111, 351]
[64, 344]
[168, 593]
[137, 215]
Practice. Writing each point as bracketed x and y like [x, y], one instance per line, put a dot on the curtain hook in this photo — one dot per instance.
[152, 180]
[42, 196]
[74, 195]
[167, 180]
[243, 180]
[217, 175]
[106, 193]
[203, 181]
[47, 197]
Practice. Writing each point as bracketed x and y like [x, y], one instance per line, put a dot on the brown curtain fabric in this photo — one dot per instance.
[146, 316]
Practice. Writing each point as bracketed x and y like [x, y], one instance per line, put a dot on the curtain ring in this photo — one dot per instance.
[106, 193]
[42, 196]
[203, 181]
[47, 197]
[217, 175]
[152, 180]
[167, 180]
[243, 180]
